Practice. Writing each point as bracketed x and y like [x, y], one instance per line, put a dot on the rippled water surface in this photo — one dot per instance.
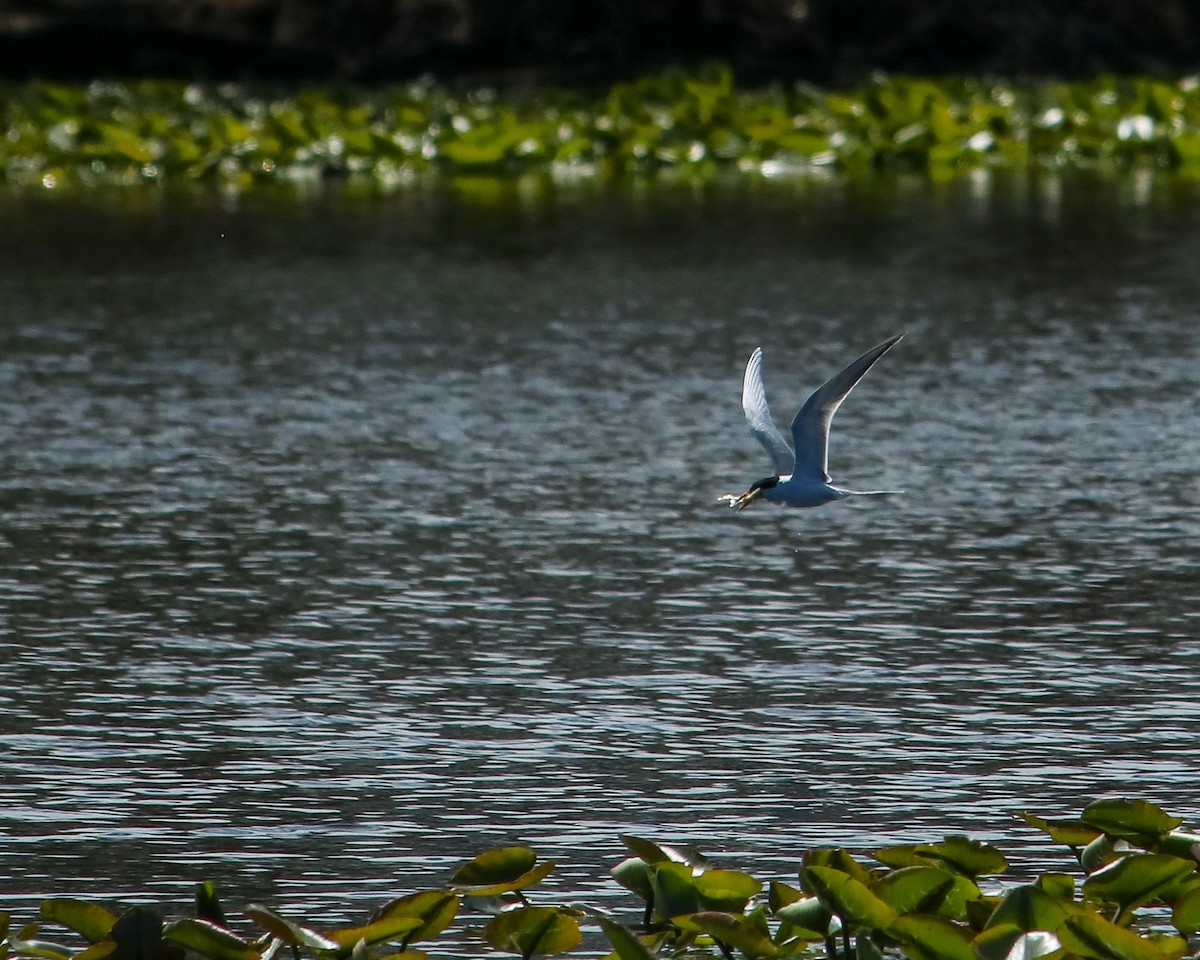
[341, 539]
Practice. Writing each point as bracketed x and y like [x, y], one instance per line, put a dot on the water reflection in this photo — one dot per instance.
[341, 540]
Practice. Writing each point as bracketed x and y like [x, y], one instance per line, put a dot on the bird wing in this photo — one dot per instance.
[810, 428]
[754, 405]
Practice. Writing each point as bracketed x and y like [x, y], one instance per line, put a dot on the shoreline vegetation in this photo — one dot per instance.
[1130, 890]
[690, 122]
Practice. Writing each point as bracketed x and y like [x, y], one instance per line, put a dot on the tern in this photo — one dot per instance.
[801, 479]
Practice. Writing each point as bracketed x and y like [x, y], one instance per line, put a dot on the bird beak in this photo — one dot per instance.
[742, 502]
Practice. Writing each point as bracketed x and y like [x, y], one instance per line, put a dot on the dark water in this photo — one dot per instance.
[341, 539]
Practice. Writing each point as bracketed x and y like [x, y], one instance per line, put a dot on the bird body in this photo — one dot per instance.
[801, 474]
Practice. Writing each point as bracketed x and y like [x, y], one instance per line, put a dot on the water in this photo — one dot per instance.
[341, 539]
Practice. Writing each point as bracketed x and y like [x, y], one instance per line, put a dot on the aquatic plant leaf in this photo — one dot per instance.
[1185, 912]
[634, 875]
[209, 940]
[807, 919]
[837, 859]
[1072, 833]
[1061, 886]
[434, 908]
[208, 906]
[652, 852]
[849, 898]
[1028, 907]
[731, 930]
[626, 944]
[533, 931]
[926, 889]
[1137, 879]
[500, 871]
[1103, 850]
[932, 938]
[726, 890]
[780, 894]
[293, 934]
[675, 890]
[979, 912]
[1132, 819]
[971, 858]
[1091, 936]
[90, 921]
[1008, 942]
[1179, 843]
[392, 927]
[42, 949]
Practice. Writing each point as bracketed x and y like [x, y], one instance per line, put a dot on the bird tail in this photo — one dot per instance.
[869, 493]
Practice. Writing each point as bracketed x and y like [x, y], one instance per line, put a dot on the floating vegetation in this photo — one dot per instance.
[698, 122]
[1137, 898]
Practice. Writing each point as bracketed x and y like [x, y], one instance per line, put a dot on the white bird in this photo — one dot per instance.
[801, 479]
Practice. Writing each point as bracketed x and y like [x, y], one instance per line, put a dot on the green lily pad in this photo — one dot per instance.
[626, 944]
[1132, 819]
[391, 927]
[1072, 833]
[932, 938]
[726, 890]
[807, 919]
[652, 852]
[1061, 886]
[838, 859]
[1101, 851]
[1028, 907]
[1093, 937]
[90, 921]
[1008, 942]
[500, 871]
[971, 858]
[733, 931]
[780, 894]
[1179, 843]
[293, 934]
[209, 940]
[1185, 912]
[675, 893]
[1137, 879]
[634, 875]
[924, 889]
[850, 899]
[434, 908]
[533, 932]
[41, 949]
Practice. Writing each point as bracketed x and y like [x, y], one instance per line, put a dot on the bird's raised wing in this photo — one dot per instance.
[810, 428]
[754, 405]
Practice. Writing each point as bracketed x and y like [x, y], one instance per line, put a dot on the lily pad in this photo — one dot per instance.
[500, 871]
[533, 932]
[1132, 819]
[209, 940]
[850, 899]
[1137, 879]
[90, 921]
[1008, 942]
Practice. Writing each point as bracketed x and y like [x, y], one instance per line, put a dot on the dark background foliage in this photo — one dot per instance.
[829, 41]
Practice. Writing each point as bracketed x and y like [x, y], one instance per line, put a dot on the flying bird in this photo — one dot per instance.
[802, 478]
